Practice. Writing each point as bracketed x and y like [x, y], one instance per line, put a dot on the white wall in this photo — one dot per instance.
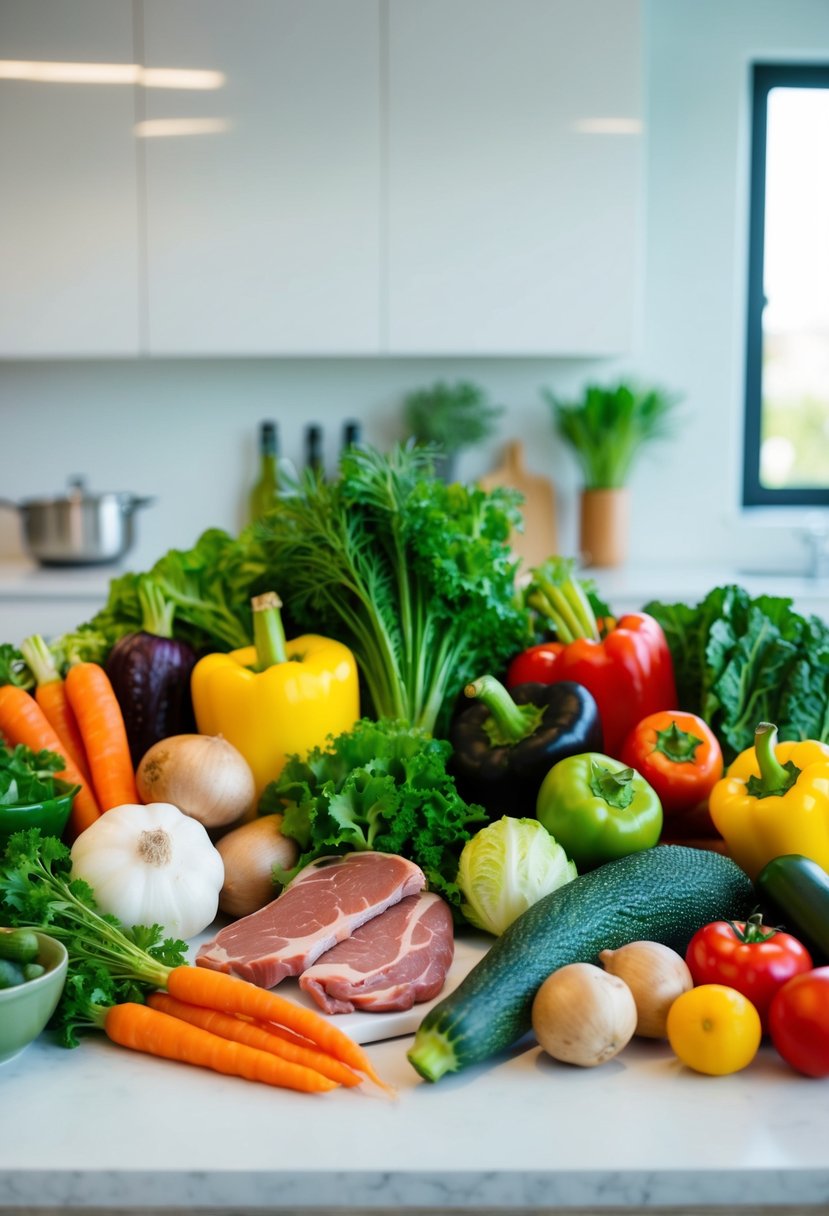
[184, 431]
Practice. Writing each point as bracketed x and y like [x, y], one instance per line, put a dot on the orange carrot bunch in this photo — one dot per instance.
[80, 719]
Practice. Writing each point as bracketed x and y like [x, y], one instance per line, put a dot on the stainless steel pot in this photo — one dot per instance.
[80, 528]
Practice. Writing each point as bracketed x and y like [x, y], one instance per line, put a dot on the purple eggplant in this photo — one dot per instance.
[150, 675]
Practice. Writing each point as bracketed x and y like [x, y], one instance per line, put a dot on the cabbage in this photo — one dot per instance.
[506, 867]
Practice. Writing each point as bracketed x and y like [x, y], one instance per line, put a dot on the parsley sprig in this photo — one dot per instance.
[108, 963]
[26, 776]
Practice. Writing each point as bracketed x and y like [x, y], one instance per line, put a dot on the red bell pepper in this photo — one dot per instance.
[629, 670]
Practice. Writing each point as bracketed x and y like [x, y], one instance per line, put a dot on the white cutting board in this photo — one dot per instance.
[366, 1027]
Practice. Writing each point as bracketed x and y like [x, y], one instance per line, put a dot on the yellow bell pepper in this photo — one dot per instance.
[774, 799]
[276, 697]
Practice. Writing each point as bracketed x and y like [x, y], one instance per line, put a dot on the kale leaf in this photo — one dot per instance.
[740, 661]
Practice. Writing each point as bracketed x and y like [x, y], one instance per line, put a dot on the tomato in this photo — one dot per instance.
[799, 1022]
[748, 956]
[714, 1029]
[679, 755]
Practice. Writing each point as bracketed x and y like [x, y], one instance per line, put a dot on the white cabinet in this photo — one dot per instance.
[514, 187]
[370, 177]
[69, 246]
[263, 236]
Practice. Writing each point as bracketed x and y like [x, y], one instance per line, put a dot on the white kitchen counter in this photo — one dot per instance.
[101, 1128]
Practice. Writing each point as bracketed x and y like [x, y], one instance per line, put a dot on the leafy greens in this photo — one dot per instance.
[415, 575]
[108, 963]
[384, 786]
[740, 661]
[28, 777]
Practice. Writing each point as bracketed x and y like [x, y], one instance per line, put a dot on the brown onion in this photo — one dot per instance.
[249, 854]
[583, 1015]
[656, 975]
[203, 775]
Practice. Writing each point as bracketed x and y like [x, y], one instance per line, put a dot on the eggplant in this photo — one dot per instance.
[505, 744]
[150, 674]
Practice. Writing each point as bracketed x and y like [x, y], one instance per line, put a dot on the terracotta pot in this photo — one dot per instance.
[604, 526]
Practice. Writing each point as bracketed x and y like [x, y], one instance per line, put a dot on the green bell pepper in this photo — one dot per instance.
[598, 809]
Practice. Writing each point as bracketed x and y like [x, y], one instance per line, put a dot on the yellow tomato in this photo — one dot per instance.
[714, 1029]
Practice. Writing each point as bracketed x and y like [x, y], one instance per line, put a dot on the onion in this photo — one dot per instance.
[249, 854]
[583, 1015]
[656, 975]
[203, 775]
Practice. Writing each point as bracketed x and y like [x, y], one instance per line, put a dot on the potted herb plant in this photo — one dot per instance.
[606, 429]
[450, 417]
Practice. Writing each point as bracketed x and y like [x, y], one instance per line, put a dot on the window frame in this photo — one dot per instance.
[765, 77]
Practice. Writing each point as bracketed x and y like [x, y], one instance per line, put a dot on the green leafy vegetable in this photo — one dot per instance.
[507, 867]
[13, 667]
[108, 964]
[740, 660]
[416, 576]
[27, 777]
[204, 593]
[384, 786]
[607, 428]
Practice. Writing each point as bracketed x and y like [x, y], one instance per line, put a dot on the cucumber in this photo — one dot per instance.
[796, 889]
[663, 894]
[19, 945]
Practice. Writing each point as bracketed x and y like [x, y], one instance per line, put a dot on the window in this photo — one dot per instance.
[787, 375]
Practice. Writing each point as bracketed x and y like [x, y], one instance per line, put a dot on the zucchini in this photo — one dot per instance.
[663, 894]
[796, 889]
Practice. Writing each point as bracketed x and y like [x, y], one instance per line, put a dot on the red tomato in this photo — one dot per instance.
[535, 665]
[677, 754]
[748, 956]
[799, 1022]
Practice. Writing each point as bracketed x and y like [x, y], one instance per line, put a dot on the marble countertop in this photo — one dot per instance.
[101, 1128]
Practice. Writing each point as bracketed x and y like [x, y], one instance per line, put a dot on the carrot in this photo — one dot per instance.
[158, 1034]
[23, 721]
[299, 1040]
[229, 1027]
[101, 724]
[50, 695]
[228, 993]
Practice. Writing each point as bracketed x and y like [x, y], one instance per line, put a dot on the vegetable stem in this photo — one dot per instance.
[508, 722]
[557, 595]
[614, 788]
[268, 631]
[775, 778]
[157, 612]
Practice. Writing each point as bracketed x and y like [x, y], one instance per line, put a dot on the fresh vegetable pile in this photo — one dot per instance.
[522, 755]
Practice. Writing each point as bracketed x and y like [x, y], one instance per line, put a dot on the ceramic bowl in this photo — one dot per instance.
[26, 1008]
[50, 816]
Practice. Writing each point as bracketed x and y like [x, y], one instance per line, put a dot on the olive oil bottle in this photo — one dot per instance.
[266, 487]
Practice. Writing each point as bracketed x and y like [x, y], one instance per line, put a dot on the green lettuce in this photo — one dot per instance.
[741, 660]
[382, 786]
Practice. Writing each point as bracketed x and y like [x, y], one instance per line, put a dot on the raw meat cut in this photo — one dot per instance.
[325, 903]
[390, 963]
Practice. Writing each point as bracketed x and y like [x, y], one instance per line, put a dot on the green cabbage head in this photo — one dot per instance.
[506, 867]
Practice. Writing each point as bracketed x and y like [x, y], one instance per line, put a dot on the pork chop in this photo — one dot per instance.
[392, 962]
[324, 904]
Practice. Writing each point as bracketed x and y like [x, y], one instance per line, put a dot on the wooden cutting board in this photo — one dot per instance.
[539, 539]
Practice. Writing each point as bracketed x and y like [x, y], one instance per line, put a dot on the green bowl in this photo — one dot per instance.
[26, 1008]
[50, 816]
